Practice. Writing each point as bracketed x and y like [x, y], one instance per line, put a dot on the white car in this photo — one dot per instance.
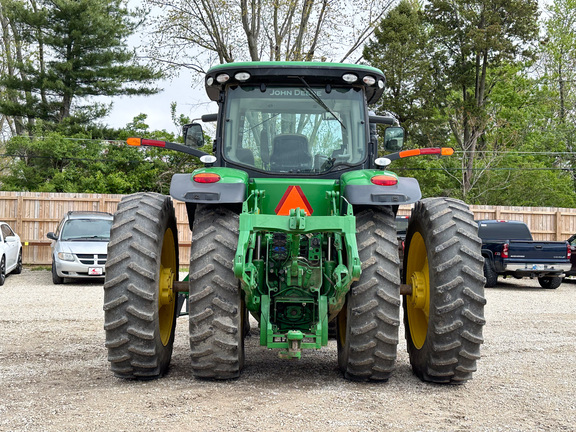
[11, 250]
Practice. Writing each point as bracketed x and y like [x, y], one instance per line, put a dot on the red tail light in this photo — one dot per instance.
[505, 250]
[569, 251]
[153, 143]
[206, 178]
[384, 180]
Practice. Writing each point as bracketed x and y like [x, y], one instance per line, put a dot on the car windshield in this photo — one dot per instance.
[86, 229]
[295, 129]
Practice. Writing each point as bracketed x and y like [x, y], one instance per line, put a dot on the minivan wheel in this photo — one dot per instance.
[56, 280]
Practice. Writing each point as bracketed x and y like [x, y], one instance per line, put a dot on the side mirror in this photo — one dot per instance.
[10, 239]
[51, 236]
[394, 139]
[193, 135]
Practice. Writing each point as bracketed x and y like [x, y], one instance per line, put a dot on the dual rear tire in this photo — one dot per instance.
[444, 315]
[367, 326]
[140, 308]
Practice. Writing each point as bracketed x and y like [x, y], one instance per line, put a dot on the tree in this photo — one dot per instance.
[12, 52]
[558, 74]
[401, 49]
[73, 50]
[57, 163]
[476, 40]
[205, 32]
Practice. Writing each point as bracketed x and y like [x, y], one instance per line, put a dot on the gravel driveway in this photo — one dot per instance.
[54, 375]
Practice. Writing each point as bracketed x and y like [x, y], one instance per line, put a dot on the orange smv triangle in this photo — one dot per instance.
[293, 198]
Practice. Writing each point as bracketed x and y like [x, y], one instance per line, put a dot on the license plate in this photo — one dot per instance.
[537, 267]
[95, 271]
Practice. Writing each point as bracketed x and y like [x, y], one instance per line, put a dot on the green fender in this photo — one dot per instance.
[229, 189]
[358, 189]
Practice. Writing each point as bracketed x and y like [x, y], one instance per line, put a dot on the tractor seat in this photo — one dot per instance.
[290, 152]
[245, 156]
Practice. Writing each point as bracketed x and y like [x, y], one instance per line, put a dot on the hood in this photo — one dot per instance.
[84, 247]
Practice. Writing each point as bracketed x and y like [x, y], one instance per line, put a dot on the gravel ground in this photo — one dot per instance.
[54, 375]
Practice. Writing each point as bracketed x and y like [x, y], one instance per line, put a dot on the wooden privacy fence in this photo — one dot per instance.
[33, 214]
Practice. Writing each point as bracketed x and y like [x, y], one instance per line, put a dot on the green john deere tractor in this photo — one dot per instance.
[293, 223]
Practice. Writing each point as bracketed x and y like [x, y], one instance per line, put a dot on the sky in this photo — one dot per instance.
[185, 90]
[189, 95]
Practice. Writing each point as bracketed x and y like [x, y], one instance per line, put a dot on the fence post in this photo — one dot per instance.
[19, 214]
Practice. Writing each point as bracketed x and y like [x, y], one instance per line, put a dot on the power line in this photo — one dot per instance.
[396, 169]
[74, 159]
[514, 152]
[485, 169]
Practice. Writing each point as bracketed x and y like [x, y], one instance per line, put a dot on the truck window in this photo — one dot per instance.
[504, 231]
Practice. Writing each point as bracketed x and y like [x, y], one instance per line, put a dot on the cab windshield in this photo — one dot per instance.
[294, 129]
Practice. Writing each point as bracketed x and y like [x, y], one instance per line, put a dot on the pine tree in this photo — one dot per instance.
[76, 49]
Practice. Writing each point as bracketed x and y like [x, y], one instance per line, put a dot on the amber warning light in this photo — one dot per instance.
[145, 142]
[441, 151]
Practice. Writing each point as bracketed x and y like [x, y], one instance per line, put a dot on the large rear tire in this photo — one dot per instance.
[215, 299]
[139, 304]
[444, 315]
[367, 327]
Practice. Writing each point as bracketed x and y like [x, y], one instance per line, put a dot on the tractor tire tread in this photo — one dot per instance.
[135, 350]
[370, 349]
[456, 319]
[215, 316]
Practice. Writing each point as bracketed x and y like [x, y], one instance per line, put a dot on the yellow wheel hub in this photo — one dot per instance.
[166, 282]
[418, 303]
[166, 296]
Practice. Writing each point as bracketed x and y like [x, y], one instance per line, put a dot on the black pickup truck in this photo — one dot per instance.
[509, 250]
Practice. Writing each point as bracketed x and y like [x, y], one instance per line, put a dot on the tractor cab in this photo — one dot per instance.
[299, 121]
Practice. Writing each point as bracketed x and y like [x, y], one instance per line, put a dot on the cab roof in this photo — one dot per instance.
[290, 73]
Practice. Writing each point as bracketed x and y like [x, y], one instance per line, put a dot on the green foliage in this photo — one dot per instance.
[76, 50]
[58, 163]
[401, 49]
[461, 75]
